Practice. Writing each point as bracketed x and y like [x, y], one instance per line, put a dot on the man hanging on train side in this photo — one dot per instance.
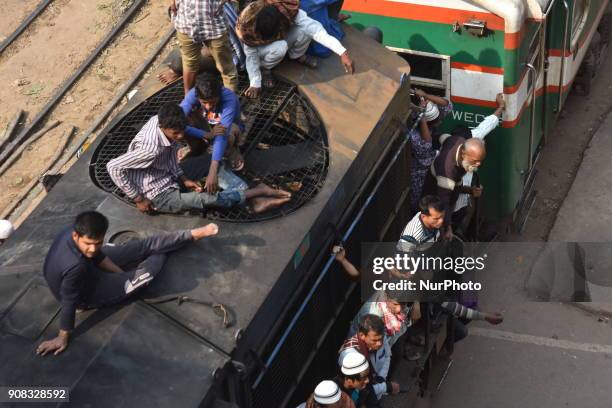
[457, 157]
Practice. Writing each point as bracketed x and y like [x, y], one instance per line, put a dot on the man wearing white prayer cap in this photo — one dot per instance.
[354, 380]
[6, 229]
[328, 394]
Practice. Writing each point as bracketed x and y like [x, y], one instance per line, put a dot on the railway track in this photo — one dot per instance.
[129, 37]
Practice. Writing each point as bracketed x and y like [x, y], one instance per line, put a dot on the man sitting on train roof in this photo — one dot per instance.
[271, 29]
[457, 157]
[370, 340]
[219, 108]
[149, 173]
[464, 209]
[83, 273]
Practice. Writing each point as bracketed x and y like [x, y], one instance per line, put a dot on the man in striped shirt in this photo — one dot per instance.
[424, 226]
[149, 173]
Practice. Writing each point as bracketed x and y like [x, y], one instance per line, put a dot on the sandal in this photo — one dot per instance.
[267, 79]
[309, 61]
[183, 153]
[417, 340]
[236, 160]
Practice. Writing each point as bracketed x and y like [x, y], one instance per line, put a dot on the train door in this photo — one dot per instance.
[536, 66]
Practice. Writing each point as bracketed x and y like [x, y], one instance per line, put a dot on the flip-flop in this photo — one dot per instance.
[236, 160]
[309, 61]
[267, 79]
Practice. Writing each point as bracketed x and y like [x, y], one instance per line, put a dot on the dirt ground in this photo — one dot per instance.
[61, 39]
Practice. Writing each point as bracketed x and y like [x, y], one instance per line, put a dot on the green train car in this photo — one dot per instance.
[531, 50]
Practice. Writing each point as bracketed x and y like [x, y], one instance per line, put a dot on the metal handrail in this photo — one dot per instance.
[562, 73]
[533, 72]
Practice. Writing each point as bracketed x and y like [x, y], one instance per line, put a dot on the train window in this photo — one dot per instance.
[430, 72]
[579, 18]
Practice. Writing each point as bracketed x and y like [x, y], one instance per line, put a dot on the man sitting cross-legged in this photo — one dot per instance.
[219, 107]
[83, 273]
[149, 173]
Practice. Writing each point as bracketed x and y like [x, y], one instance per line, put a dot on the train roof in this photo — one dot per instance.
[151, 353]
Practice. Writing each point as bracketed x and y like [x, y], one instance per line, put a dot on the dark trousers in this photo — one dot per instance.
[136, 257]
[460, 329]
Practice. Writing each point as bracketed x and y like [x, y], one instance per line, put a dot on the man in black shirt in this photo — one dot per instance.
[84, 274]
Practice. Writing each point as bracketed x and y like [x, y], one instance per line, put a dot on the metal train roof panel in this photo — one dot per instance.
[251, 268]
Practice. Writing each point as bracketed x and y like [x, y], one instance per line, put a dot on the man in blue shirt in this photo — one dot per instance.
[220, 107]
[82, 273]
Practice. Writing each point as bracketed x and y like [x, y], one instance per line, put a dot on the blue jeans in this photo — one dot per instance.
[174, 200]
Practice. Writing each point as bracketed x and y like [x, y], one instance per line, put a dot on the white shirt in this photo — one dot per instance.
[312, 28]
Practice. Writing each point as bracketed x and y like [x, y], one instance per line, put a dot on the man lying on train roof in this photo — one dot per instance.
[271, 29]
[457, 157]
[83, 273]
[149, 173]
[219, 108]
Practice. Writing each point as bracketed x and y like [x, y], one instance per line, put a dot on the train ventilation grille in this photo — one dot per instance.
[285, 146]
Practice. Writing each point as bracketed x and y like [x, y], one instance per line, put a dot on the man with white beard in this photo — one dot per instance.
[457, 157]
[465, 206]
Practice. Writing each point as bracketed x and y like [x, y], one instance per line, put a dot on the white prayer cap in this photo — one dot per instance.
[354, 363]
[431, 112]
[327, 392]
[6, 229]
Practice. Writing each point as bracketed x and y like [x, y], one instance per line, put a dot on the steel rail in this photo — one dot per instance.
[81, 144]
[13, 158]
[24, 24]
[76, 146]
[30, 186]
[10, 128]
[21, 137]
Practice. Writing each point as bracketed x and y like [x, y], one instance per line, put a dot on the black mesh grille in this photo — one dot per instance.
[285, 147]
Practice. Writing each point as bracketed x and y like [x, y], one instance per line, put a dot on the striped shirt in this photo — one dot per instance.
[462, 312]
[150, 165]
[415, 233]
[201, 20]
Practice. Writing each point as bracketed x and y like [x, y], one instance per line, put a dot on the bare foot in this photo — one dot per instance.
[268, 191]
[262, 204]
[168, 76]
[205, 231]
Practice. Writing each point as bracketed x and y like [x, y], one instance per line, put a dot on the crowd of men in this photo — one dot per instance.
[80, 270]
[84, 273]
